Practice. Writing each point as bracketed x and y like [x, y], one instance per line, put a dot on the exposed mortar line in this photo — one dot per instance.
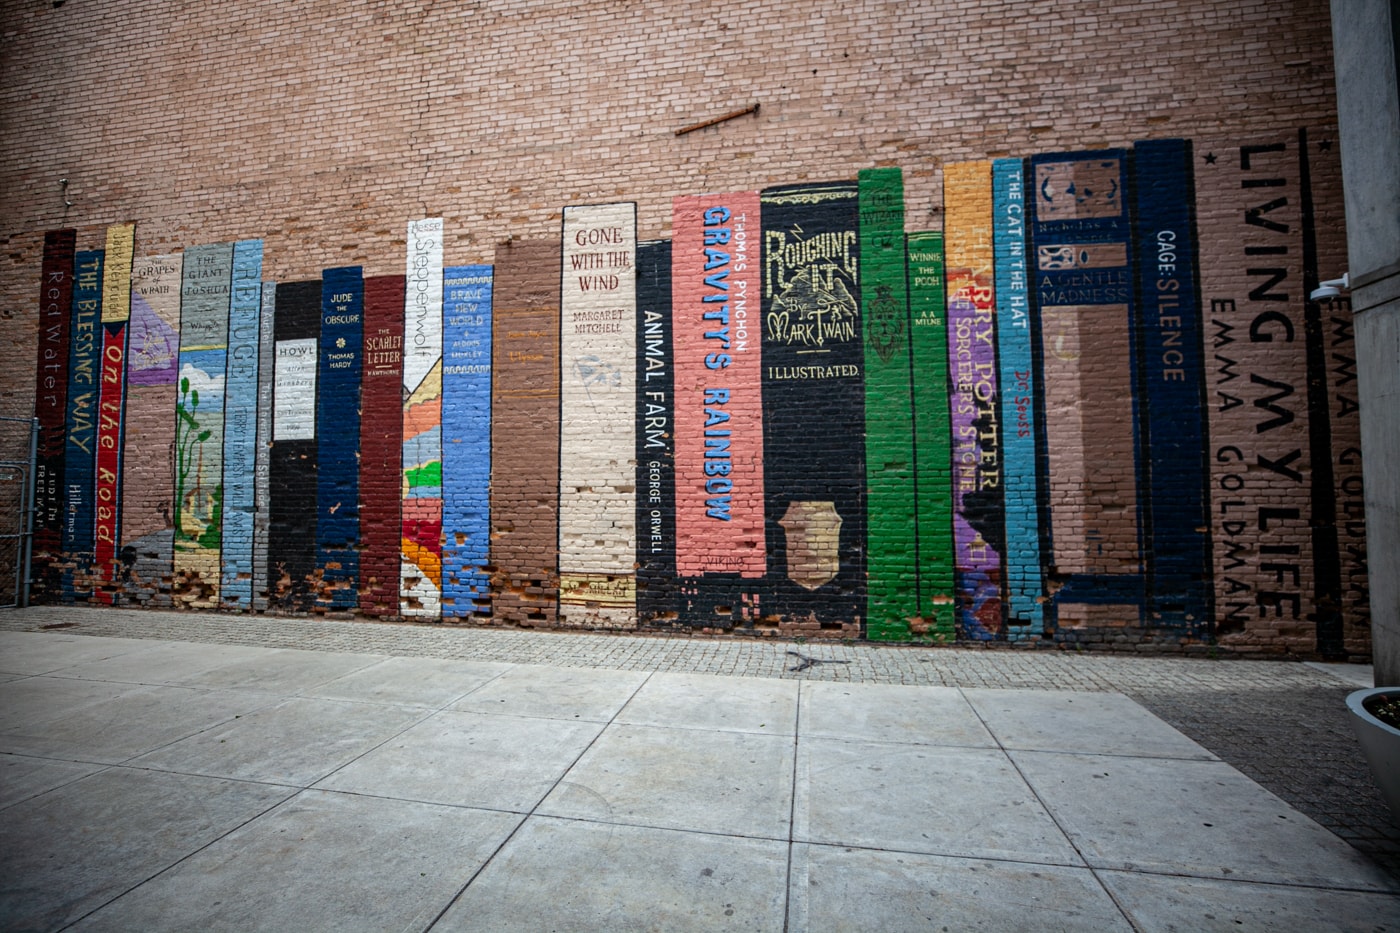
[1050, 813]
[792, 811]
[180, 861]
[534, 809]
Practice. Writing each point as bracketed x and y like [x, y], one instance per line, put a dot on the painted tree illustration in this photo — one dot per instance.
[188, 438]
[213, 532]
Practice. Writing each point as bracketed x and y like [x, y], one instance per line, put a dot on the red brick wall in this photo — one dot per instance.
[322, 129]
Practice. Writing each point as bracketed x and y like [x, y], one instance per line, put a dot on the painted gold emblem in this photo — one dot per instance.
[813, 532]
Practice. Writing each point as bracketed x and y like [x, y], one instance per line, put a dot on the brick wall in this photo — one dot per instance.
[323, 131]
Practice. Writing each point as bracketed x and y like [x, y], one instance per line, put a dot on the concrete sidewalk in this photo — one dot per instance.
[414, 778]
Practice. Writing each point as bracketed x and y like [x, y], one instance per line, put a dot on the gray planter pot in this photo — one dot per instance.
[1380, 742]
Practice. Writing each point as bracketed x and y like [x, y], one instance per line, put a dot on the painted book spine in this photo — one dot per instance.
[199, 423]
[721, 528]
[262, 463]
[655, 407]
[979, 522]
[116, 316]
[1025, 586]
[715, 275]
[338, 451]
[597, 359]
[525, 433]
[148, 453]
[1249, 204]
[381, 443]
[79, 459]
[892, 554]
[813, 406]
[291, 533]
[50, 406]
[240, 425]
[1084, 305]
[420, 582]
[1172, 376]
[928, 341]
[466, 442]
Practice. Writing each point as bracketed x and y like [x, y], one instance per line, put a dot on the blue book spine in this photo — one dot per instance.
[1024, 578]
[466, 440]
[80, 452]
[1173, 376]
[241, 424]
[338, 443]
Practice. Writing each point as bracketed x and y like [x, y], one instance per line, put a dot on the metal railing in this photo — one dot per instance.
[18, 447]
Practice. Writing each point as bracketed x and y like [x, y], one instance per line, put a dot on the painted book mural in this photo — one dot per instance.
[241, 424]
[1267, 568]
[148, 474]
[1098, 406]
[813, 405]
[1171, 383]
[597, 481]
[381, 446]
[111, 406]
[1084, 298]
[889, 416]
[933, 476]
[978, 503]
[79, 455]
[1333, 386]
[525, 433]
[199, 423]
[655, 433]
[716, 338]
[291, 532]
[1020, 481]
[420, 583]
[466, 441]
[50, 406]
[338, 450]
[262, 459]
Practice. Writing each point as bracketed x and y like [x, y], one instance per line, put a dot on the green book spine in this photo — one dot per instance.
[892, 558]
[928, 343]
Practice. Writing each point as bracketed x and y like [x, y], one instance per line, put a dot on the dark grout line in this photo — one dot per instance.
[589, 821]
[962, 856]
[272, 701]
[1050, 813]
[534, 809]
[204, 776]
[1197, 697]
[294, 790]
[455, 699]
[1257, 882]
[1213, 759]
[102, 767]
[428, 713]
[186, 857]
[792, 808]
[366, 795]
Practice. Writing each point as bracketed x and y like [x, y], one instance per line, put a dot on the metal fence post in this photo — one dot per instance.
[27, 545]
